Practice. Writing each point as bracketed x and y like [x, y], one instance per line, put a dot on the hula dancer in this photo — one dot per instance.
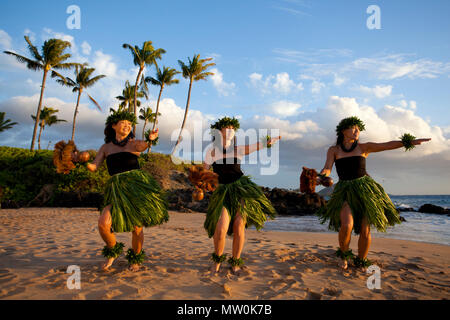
[358, 201]
[237, 202]
[133, 198]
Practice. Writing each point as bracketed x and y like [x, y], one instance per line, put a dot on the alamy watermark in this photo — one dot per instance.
[374, 20]
[374, 281]
[74, 20]
[74, 280]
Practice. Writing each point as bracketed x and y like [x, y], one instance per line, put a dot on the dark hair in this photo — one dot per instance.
[340, 138]
[110, 133]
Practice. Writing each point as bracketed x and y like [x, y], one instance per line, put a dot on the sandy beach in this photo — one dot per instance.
[38, 244]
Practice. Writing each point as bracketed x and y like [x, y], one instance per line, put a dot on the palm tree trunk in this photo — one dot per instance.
[75, 114]
[40, 132]
[143, 130]
[135, 95]
[185, 116]
[156, 115]
[157, 106]
[38, 113]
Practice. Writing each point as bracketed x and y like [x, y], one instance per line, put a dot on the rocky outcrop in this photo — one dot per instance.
[288, 202]
[431, 208]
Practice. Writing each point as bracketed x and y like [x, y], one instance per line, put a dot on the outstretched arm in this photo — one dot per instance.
[142, 145]
[328, 163]
[98, 160]
[257, 146]
[378, 147]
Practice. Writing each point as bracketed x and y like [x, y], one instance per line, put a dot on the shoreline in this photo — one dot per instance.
[38, 244]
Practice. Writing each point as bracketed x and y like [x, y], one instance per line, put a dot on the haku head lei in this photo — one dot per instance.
[226, 122]
[348, 123]
[118, 115]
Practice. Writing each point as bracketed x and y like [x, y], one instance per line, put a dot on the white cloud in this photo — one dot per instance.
[380, 66]
[395, 66]
[280, 83]
[316, 86]
[224, 88]
[5, 40]
[103, 64]
[404, 104]
[339, 80]
[312, 55]
[284, 84]
[285, 108]
[8, 62]
[378, 91]
[86, 48]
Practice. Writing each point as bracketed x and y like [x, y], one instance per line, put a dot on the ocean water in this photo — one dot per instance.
[424, 227]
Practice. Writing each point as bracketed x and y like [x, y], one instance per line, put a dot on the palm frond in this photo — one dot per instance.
[65, 66]
[92, 81]
[57, 75]
[31, 64]
[34, 51]
[95, 102]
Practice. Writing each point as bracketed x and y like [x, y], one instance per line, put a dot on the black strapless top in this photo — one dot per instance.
[121, 162]
[227, 169]
[350, 168]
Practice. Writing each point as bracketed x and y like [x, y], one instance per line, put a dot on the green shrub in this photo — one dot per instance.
[25, 172]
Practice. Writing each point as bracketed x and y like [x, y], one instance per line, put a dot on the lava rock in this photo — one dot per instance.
[431, 208]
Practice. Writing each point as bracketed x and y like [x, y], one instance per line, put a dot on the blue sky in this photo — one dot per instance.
[293, 61]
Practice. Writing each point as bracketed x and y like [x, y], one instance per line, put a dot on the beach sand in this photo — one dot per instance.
[38, 244]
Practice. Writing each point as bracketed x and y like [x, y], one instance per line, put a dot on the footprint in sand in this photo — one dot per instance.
[10, 293]
[312, 295]
[173, 270]
[332, 291]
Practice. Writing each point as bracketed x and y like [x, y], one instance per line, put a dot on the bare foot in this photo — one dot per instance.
[215, 267]
[134, 267]
[236, 270]
[343, 264]
[362, 269]
[107, 264]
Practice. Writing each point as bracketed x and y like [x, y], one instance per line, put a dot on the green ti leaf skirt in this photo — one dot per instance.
[137, 200]
[366, 198]
[254, 212]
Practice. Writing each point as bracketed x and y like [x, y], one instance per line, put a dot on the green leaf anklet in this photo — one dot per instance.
[358, 262]
[218, 259]
[134, 258]
[345, 255]
[113, 252]
[407, 140]
[235, 261]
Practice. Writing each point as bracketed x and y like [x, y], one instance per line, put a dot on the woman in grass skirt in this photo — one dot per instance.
[237, 202]
[358, 201]
[133, 199]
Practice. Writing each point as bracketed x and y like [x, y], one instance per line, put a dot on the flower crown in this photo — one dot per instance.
[348, 123]
[226, 122]
[118, 115]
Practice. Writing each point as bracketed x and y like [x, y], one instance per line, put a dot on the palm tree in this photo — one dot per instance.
[81, 82]
[5, 124]
[194, 71]
[52, 57]
[127, 98]
[46, 117]
[147, 115]
[145, 56]
[166, 77]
